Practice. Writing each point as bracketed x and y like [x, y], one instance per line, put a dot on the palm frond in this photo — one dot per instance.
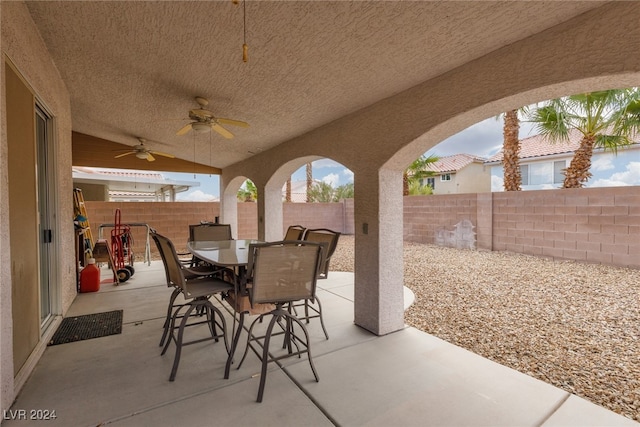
[550, 122]
[612, 142]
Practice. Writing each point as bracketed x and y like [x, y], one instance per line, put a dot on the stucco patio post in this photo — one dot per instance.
[270, 213]
[229, 205]
[379, 274]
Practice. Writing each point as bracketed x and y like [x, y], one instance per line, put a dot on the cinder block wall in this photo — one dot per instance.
[169, 219]
[423, 215]
[315, 215]
[600, 225]
[173, 219]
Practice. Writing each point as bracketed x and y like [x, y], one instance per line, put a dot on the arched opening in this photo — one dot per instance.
[507, 306]
[314, 180]
[229, 202]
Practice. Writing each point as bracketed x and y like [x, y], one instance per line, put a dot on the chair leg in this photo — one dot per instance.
[308, 345]
[176, 359]
[234, 345]
[246, 349]
[306, 310]
[326, 335]
[172, 328]
[265, 357]
[167, 321]
[211, 319]
[223, 324]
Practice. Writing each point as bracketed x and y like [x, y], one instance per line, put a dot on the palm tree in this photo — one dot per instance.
[247, 192]
[606, 119]
[416, 171]
[345, 191]
[511, 151]
[321, 192]
[309, 180]
[288, 190]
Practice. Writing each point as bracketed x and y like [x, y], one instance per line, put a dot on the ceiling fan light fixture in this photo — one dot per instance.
[201, 127]
[141, 155]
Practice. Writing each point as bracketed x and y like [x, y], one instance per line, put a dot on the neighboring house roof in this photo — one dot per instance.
[132, 181]
[454, 163]
[538, 146]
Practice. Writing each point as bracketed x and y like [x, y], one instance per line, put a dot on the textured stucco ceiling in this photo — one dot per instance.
[134, 68]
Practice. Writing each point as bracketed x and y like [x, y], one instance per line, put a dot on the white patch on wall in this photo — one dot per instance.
[461, 237]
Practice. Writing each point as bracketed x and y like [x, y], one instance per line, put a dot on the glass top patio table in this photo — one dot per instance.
[226, 253]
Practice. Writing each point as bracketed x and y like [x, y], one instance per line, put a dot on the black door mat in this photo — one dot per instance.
[88, 326]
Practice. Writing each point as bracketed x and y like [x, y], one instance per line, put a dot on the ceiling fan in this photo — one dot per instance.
[203, 120]
[142, 152]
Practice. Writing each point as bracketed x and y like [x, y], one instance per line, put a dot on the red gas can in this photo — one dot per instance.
[90, 277]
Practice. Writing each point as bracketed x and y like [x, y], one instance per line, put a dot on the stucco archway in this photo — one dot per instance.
[229, 202]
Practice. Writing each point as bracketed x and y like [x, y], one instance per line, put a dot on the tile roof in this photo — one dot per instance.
[538, 146]
[454, 163]
[120, 173]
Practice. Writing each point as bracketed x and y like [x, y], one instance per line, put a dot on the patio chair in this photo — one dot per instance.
[279, 273]
[190, 273]
[197, 291]
[324, 235]
[208, 231]
[294, 232]
[330, 239]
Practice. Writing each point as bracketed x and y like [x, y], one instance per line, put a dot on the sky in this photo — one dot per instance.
[486, 138]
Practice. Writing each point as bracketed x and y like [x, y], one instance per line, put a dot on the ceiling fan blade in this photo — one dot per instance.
[150, 157]
[222, 131]
[186, 128]
[159, 153]
[234, 122]
[125, 154]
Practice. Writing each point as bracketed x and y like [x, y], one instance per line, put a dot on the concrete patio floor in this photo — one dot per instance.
[407, 378]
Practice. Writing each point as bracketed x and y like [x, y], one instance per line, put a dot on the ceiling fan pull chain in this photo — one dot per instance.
[245, 48]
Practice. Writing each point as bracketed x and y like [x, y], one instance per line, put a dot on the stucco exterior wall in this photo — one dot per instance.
[22, 45]
[475, 178]
[446, 186]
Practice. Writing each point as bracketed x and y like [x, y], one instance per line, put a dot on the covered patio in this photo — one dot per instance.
[407, 378]
[371, 85]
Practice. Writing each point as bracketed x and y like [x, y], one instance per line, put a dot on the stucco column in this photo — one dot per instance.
[379, 279]
[229, 206]
[270, 214]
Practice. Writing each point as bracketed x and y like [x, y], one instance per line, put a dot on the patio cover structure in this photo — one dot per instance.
[371, 85]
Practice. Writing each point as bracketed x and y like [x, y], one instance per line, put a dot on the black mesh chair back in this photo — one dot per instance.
[330, 238]
[294, 232]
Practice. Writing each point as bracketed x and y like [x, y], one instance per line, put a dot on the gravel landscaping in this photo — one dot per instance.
[573, 325]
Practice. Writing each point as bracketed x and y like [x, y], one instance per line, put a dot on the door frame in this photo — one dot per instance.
[52, 209]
